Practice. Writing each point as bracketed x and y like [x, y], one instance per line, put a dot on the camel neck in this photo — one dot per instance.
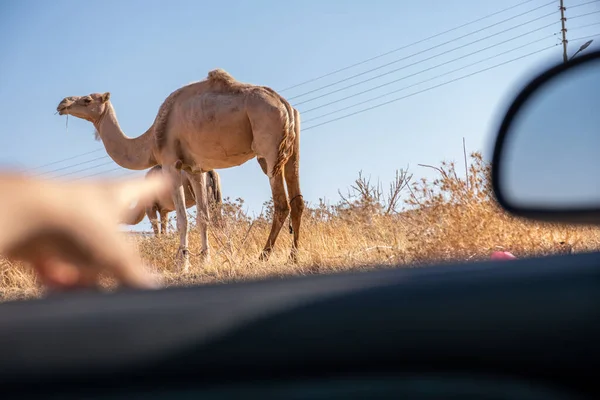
[131, 153]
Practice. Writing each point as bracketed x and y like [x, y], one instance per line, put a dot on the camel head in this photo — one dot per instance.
[90, 107]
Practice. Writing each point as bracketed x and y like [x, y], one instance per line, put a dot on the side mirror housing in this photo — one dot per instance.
[546, 160]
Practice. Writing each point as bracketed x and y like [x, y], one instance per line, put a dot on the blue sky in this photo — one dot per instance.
[141, 51]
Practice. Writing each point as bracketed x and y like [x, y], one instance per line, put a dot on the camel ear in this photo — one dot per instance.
[105, 97]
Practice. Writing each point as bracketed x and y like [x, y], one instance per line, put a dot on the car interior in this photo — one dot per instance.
[521, 329]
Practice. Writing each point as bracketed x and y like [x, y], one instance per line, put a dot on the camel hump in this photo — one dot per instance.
[222, 76]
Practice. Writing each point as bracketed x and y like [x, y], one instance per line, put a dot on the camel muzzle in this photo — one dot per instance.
[62, 109]
[64, 106]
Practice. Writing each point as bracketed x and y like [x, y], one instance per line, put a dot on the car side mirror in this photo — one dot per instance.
[546, 161]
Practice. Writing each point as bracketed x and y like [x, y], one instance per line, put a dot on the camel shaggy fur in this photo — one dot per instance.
[215, 123]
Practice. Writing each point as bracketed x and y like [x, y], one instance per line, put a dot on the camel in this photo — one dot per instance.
[163, 205]
[215, 123]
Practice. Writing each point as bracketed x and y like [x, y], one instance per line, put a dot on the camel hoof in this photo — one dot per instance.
[264, 256]
[184, 266]
[184, 260]
[293, 257]
[205, 256]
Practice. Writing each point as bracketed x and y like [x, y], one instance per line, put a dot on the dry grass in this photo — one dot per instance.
[415, 223]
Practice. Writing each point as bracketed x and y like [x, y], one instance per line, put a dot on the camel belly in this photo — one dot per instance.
[214, 132]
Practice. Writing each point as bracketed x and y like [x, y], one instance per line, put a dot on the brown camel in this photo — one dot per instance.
[163, 205]
[215, 123]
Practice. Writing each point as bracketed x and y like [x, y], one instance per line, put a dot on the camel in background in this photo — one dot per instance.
[215, 123]
[163, 204]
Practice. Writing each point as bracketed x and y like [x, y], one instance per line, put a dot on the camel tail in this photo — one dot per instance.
[215, 184]
[286, 146]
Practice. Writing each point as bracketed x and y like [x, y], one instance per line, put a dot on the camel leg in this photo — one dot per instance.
[216, 197]
[151, 214]
[281, 210]
[182, 221]
[164, 219]
[292, 179]
[198, 182]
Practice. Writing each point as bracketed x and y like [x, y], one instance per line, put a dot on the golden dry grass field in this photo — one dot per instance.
[411, 223]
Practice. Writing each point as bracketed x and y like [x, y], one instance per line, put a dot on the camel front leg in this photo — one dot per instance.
[151, 214]
[182, 221]
[164, 219]
[198, 182]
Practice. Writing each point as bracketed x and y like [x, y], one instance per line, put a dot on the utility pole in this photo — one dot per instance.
[564, 31]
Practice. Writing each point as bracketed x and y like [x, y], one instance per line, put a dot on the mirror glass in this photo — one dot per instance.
[550, 159]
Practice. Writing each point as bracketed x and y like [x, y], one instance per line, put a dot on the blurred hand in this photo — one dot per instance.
[68, 231]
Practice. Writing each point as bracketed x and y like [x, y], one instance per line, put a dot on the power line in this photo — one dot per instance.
[433, 47]
[104, 172]
[405, 46]
[84, 169]
[586, 37]
[95, 174]
[376, 57]
[71, 166]
[428, 89]
[578, 16]
[584, 26]
[418, 83]
[429, 58]
[584, 15]
[441, 84]
[67, 159]
[584, 4]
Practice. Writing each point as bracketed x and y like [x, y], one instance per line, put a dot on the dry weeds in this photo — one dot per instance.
[412, 224]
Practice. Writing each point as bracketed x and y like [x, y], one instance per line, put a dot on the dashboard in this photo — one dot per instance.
[418, 387]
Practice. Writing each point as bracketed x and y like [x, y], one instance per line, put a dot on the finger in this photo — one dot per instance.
[141, 190]
[120, 259]
[55, 273]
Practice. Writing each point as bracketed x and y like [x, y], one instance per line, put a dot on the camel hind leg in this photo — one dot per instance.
[281, 210]
[213, 182]
[292, 180]
[271, 128]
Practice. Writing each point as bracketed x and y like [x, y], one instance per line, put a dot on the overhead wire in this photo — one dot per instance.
[72, 166]
[439, 85]
[416, 84]
[310, 127]
[129, 172]
[84, 169]
[425, 90]
[434, 56]
[66, 159]
[583, 4]
[429, 49]
[404, 47]
[584, 26]
[363, 62]
[584, 15]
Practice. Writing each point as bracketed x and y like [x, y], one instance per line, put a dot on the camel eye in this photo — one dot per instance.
[87, 101]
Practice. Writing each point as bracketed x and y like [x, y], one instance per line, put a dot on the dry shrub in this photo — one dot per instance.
[413, 223]
[457, 219]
